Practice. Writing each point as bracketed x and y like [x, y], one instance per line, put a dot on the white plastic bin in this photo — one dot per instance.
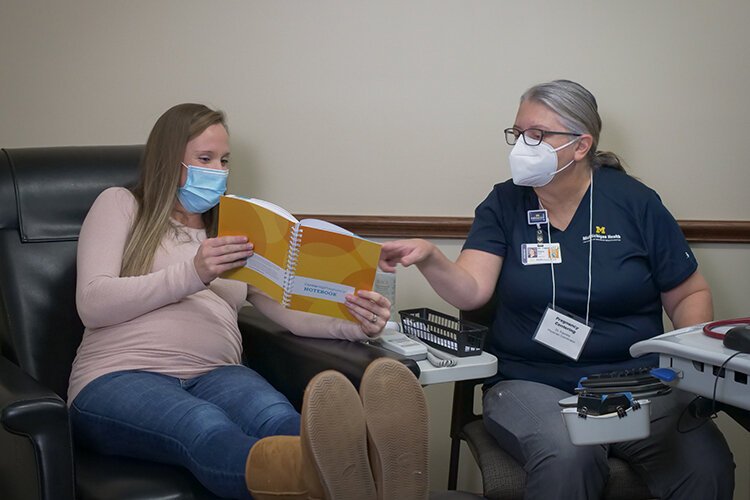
[610, 428]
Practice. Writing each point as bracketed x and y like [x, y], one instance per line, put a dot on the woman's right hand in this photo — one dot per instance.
[404, 252]
[218, 255]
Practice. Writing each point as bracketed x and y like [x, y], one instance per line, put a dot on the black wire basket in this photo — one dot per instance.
[442, 331]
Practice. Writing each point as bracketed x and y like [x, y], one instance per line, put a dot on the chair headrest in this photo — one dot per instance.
[46, 192]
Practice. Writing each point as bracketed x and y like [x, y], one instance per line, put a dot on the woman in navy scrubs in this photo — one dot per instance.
[583, 259]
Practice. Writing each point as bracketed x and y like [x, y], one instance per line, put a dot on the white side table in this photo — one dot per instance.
[697, 359]
[468, 368]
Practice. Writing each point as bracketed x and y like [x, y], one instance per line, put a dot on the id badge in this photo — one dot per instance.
[540, 253]
[563, 332]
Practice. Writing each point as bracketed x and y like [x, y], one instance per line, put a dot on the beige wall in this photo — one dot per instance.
[397, 107]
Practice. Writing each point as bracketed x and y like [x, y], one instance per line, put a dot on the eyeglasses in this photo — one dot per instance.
[531, 136]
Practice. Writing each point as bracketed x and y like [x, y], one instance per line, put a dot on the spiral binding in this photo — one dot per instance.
[290, 265]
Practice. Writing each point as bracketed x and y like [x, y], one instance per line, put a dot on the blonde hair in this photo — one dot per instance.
[156, 190]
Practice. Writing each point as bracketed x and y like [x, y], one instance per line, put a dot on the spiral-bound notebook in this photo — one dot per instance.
[307, 265]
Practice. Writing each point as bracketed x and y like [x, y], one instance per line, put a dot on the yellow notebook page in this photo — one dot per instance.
[335, 264]
[270, 233]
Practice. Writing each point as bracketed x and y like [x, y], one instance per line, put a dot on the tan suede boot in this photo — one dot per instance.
[275, 470]
[334, 438]
[397, 430]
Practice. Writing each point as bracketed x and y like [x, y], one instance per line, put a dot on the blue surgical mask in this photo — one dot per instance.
[202, 189]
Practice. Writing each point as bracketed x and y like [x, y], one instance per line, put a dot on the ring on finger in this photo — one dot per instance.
[374, 318]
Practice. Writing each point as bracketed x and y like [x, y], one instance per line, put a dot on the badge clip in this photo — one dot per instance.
[535, 217]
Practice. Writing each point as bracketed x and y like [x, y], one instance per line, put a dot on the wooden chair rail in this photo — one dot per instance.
[397, 226]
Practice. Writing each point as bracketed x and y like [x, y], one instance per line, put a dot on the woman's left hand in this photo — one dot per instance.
[371, 309]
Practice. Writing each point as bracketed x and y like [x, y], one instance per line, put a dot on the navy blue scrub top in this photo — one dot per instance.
[638, 252]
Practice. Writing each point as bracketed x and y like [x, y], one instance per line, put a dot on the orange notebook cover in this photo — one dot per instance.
[307, 265]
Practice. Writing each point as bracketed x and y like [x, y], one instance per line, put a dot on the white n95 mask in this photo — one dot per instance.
[534, 166]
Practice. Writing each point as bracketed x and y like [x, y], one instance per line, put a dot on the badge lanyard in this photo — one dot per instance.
[591, 242]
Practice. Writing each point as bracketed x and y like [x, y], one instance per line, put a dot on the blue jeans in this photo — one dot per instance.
[525, 419]
[207, 424]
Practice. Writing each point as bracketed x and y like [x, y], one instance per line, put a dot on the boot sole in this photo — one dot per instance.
[335, 434]
[397, 427]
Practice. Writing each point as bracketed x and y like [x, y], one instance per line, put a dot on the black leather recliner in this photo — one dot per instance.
[45, 194]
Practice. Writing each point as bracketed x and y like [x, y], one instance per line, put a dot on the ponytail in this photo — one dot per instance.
[608, 160]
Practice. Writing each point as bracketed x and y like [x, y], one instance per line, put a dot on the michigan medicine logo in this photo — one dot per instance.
[600, 234]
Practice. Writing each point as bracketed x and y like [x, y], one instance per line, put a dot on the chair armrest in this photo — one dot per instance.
[37, 456]
[289, 361]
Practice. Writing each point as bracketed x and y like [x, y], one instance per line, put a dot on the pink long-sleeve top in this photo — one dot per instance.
[166, 321]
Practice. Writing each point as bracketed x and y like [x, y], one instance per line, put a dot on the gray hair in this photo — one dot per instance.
[578, 112]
